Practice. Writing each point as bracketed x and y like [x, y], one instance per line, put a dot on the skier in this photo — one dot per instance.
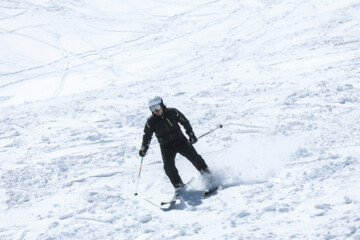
[164, 122]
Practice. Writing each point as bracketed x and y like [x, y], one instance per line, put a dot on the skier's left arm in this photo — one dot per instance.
[188, 129]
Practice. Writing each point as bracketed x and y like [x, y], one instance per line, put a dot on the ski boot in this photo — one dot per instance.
[179, 189]
[209, 180]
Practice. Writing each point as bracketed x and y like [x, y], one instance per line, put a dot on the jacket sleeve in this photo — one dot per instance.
[148, 133]
[183, 121]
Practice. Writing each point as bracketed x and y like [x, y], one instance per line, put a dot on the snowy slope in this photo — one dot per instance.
[281, 76]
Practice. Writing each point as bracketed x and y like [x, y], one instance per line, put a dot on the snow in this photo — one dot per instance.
[281, 77]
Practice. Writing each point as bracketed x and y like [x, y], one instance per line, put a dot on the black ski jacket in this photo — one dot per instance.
[166, 128]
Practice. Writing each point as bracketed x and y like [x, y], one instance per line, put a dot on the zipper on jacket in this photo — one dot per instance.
[167, 127]
[169, 121]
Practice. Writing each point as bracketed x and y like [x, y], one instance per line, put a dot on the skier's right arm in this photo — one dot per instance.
[148, 132]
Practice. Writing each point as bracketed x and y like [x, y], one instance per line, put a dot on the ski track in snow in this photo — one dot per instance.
[283, 79]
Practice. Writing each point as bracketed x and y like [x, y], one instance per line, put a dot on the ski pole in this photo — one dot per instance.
[136, 192]
[219, 126]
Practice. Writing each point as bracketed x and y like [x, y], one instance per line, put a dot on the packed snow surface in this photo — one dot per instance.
[282, 77]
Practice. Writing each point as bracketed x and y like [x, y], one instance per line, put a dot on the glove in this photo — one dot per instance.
[143, 151]
[192, 138]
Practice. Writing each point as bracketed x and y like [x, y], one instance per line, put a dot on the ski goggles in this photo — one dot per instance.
[155, 107]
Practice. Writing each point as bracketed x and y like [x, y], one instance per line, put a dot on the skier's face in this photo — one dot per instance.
[158, 111]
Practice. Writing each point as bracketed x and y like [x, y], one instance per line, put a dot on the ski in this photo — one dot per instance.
[210, 191]
[166, 206]
[173, 201]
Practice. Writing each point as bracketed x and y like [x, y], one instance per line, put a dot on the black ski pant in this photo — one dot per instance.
[186, 149]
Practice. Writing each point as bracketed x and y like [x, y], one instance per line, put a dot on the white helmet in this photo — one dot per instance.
[156, 103]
